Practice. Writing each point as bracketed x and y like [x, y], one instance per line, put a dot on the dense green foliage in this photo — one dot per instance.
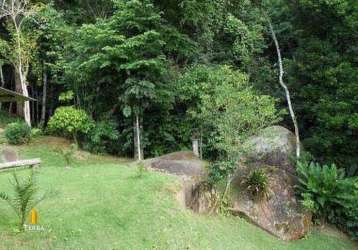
[165, 72]
[17, 133]
[102, 138]
[144, 59]
[329, 194]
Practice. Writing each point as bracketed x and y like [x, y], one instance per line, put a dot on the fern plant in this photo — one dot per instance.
[24, 197]
[320, 185]
[325, 191]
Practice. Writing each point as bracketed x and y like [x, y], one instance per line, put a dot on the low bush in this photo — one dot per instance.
[70, 122]
[103, 138]
[36, 132]
[17, 133]
[328, 194]
[220, 170]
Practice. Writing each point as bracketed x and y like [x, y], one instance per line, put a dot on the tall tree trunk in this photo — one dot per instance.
[44, 99]
[18, 88]
[138, 151]
[2, 80]
[287, 92]
[25, 92]
[22, 70]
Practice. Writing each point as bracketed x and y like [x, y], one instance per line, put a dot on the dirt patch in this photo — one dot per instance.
[55, 142]
[180, 156]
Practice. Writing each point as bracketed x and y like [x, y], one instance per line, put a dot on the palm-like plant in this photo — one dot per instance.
[24, 197]
[257, 183]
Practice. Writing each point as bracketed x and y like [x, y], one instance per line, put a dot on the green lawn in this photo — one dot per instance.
[102, 204]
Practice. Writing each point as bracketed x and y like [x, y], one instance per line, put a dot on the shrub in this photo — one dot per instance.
[36, 132]
[220, 170]
[18, 133]
[326, 192]
[103, 137]
[69, 122]
[257, 183]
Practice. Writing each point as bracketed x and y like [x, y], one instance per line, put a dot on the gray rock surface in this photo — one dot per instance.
[184, 164]
[273, 146]
[8, 155]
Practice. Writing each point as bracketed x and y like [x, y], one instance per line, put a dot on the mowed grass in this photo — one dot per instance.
[101, 203]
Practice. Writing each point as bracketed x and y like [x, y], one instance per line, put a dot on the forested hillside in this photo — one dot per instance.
[265, 94]
[146, 68]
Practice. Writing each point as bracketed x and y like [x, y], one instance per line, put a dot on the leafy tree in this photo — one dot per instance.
[18, 49]
[128, 46]
[51, 36]
[226, 109]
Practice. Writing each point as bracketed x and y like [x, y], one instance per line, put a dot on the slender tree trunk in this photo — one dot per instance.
[25, 92]
[22, 73]
[18, 88]
[44, 99]
[2, 80]
[33, 106]
[138, 149]
[287, 92]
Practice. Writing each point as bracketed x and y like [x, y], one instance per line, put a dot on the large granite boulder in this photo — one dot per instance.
[273, 146]
[184, 164]
[278, 212]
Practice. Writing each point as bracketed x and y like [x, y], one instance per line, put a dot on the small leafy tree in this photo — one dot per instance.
[24, 198]
[69, 121]
[227, 109]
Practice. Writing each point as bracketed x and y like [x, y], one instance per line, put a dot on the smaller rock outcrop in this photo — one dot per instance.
[184, 164]
[193, 194]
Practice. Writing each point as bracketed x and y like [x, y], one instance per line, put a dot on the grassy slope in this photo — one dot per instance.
[102, 204]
